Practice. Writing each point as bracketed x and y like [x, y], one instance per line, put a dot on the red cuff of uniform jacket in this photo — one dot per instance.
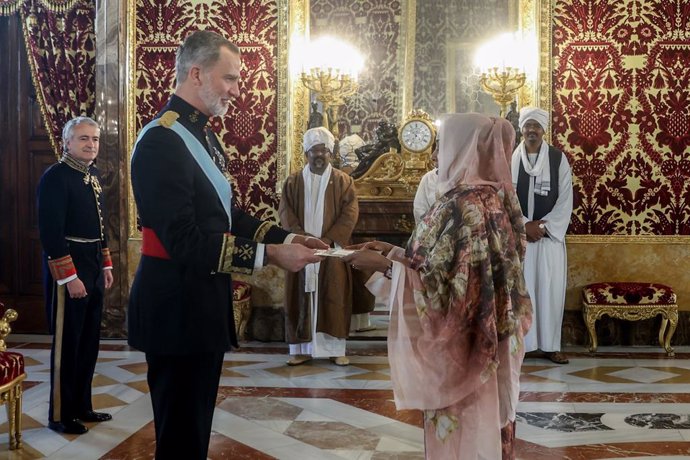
[107, 261]
[62, 268]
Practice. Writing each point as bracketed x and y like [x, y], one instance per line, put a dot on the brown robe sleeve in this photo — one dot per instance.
[291, 207]
[344, 194]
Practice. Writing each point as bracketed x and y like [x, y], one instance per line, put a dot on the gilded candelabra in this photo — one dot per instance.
[332, 87]
[330, 68]
[502, 83]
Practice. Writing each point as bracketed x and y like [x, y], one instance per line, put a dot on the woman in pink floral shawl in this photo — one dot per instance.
[459, 307]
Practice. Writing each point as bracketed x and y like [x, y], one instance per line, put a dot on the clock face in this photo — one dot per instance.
[416, 136]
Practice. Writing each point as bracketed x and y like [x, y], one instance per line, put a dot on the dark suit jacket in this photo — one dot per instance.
[70, 205]
[184, 304]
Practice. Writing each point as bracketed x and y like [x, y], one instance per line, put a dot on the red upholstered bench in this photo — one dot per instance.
[241, 306]
[11, 376]
[631, 301]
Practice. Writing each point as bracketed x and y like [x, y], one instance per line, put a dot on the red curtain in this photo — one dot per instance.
[61, 45]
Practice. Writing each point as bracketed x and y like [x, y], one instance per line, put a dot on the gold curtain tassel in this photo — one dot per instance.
[59, 6]
[9, 7]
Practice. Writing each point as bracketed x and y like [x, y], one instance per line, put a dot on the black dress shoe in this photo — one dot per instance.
[68, 427]
[92, 416]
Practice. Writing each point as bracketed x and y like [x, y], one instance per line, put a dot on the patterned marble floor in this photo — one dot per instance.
[619, 403]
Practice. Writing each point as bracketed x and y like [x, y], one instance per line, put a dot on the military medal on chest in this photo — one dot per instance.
[93, 180]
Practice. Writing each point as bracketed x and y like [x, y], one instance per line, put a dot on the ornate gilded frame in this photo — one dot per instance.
[293, 99]
[406, 53]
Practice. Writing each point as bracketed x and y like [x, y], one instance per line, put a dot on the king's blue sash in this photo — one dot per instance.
[202, 158]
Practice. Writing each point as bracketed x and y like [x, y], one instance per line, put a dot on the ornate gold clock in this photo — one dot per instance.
[417, 132]
[395, 176]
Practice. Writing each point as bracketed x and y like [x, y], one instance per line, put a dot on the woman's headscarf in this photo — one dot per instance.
[475, 152]
[475, 149]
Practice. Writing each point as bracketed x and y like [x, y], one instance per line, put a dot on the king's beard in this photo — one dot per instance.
[213, 101]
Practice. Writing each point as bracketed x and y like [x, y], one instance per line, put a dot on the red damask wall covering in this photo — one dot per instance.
[249, 130]
[621, 99]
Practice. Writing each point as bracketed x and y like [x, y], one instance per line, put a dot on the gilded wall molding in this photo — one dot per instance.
[527, 24]
[544, 13]
[130, 111]
[628, 239]
[293, 116]
[406, 52]
[284, 145]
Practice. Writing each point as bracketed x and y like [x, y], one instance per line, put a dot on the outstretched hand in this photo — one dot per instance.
[310, 242]
[380, 246]
[367, 260]
[291, 257]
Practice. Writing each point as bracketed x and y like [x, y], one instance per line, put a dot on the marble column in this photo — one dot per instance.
[111, 78]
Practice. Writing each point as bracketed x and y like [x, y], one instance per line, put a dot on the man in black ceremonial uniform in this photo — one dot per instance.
[180, 310]
[78, 269]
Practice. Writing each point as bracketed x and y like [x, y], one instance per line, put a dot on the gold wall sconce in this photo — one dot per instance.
[330, 69]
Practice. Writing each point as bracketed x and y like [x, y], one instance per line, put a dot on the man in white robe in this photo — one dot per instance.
[543, 180]
[319, 201]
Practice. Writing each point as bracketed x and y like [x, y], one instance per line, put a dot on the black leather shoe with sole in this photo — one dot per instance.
[68, 427]
[92, 416]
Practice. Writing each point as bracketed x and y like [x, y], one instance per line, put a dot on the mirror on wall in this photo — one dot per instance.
[419, 54]
[446, 38]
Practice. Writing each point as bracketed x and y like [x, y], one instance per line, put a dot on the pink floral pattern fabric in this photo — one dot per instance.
[455, 339]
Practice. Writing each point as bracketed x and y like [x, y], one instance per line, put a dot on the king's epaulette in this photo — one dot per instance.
[168, 118]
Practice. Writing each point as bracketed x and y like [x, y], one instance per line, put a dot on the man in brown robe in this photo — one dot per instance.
[319, 201]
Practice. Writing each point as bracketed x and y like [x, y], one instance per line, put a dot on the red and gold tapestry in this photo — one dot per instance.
[373, 27]
[248, 131]
[61, 47]
[621, 92]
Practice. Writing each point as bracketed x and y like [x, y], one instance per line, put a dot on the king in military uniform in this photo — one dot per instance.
[193, 238]
[78, 270]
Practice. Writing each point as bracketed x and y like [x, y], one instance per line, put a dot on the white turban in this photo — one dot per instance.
[316, 136]
[536, 114]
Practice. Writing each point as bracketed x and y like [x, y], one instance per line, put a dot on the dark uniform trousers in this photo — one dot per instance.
[76, 329]
[183, 385]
